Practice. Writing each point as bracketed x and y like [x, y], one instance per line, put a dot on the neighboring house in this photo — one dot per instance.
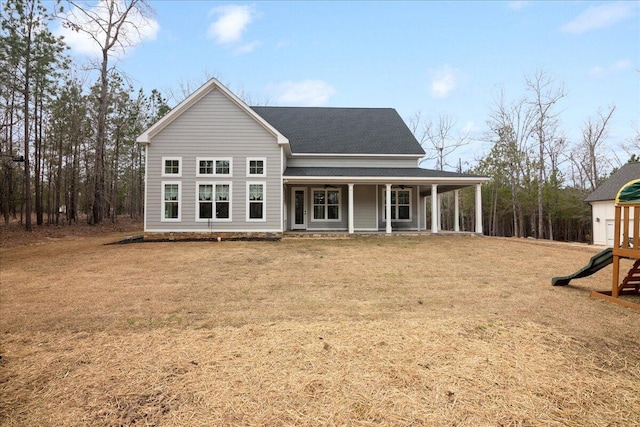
[602, 202]
[216, 166]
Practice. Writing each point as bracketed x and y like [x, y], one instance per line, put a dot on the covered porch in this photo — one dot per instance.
[354, 200]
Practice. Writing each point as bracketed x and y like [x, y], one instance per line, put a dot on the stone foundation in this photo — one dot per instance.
[215, 236]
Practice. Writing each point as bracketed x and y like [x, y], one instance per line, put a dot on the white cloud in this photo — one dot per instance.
[599, 72]
[601, 16]
[246, 48]
[443, 81]
[138, 30]
[518, 4]
[306, 93]
[232, 20]
[469, 127]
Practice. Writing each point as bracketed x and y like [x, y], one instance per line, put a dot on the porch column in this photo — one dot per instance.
[351, 228]
[388, 208]
[478, 208]
[418, 205]
[456, 213]
[439, 208]
[435, 212]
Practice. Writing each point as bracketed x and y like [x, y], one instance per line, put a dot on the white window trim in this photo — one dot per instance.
[264, 201]
[214, 219]
[162, 218]
[264, 167]
[384, 203]
[339, 190]
[173, 175]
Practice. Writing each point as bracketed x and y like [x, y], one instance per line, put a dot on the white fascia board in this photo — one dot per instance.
[378, 179]
[195, 97]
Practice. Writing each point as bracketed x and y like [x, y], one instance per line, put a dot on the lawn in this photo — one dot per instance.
[388, 331]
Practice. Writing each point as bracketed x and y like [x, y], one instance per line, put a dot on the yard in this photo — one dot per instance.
[397, 331]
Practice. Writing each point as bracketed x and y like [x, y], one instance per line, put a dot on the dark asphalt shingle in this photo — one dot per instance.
[342, 130]
[609, 189]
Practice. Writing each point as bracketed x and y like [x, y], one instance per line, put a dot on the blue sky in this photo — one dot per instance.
[429, 57]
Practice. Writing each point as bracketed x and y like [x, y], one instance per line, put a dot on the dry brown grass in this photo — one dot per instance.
[375, 331]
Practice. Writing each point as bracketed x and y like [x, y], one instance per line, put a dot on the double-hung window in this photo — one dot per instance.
[171, 200]
[326, 204]
[213, 201]
[209, 166]
[256, 166]
[400, 205]
[255, 201]
[172, 166]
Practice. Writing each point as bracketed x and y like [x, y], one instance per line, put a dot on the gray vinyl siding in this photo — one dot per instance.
[364, 214]
[214, 127]
[351, 162]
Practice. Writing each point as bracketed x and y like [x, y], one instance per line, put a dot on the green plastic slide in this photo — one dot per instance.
[596, 263]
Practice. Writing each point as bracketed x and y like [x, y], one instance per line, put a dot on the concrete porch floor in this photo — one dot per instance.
[299, 234]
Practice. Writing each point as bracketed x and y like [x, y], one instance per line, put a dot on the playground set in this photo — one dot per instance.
[626, 245]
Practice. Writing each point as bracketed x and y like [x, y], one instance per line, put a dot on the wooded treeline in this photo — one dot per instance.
[68, 150]
[539, 179]
[55, 164]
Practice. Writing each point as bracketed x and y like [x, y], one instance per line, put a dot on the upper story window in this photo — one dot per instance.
[223, 167]
[257, 166]
[209, 166]
[172, 166]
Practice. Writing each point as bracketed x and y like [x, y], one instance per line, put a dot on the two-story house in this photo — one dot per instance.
[216, 166]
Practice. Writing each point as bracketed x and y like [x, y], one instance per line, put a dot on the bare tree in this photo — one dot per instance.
[545, 94]
[594, 133]
[110, 24]
[632, 145]
[511, 128]
[439, 139]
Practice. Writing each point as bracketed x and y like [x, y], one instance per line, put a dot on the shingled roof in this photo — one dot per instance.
[609, 188]
[318, 130]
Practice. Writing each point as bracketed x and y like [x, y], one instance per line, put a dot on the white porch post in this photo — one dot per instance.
[351, 227]
[456, 204]
[424, 210]
[434, 208]
[439, 209]
[418, 205]
[478, 208]
[388, 208]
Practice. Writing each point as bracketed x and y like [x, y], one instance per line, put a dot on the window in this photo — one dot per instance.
[326, 205]
[223, 167]
[208, 166]
[205, 167]
[223, 201]
[171, 201]
[205, 201]
[255, 201]
[213, 201]
[400, 205]
[171, 166]
[256, 167]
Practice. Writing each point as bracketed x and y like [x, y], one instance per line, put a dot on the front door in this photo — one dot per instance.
[299, 208]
